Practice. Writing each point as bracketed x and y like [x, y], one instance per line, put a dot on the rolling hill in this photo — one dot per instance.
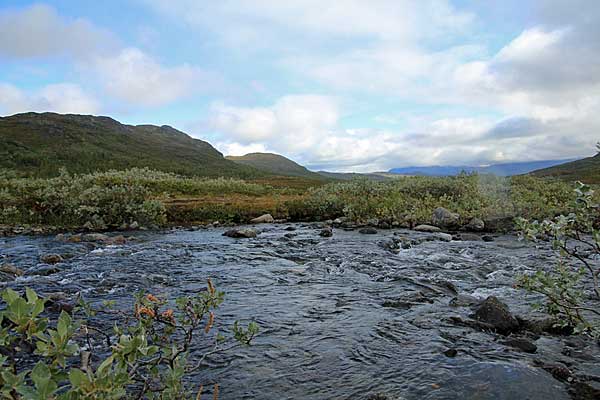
[506, 169]
[275, 164]
[586, 170]
[39, 144]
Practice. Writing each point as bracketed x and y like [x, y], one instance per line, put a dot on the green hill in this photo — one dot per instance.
[36, 144]
[275, 164]
[586, 170]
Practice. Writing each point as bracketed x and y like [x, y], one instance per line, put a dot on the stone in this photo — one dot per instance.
[326, 232]
[94, 237]
[43, 270]
[522, 344]
[119, 239]
[290, 228]
[340, 220]
[241, 233]
[134, 225]
[476, 224]
[451, 353]
[51, 258]
[464, 300]
[467, 237]
[373, 222]
[263, 219]
[74, 238]
[368, 231]
[496, 314]
[427, 228]
[11, 270]
[487, 238]
[444, 237]
[445, 218]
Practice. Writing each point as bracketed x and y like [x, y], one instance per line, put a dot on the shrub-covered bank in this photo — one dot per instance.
[108, 200]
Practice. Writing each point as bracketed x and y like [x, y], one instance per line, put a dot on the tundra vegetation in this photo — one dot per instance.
[147, 354]
[108, 200]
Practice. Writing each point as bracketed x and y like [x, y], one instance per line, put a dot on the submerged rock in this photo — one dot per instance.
[263, 219]
[445, 218]
[368, 231]
[522, 344]
[496, 314]
[451, 353]
[241, 233]
[43, 270]
[51, 258]
[427, 228]
[467, 237]
[326, 232]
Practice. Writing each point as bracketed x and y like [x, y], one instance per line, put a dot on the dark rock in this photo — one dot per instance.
[445, 218]
[241, 233]
[326, 232]
[368, 231]
[496, 314]
[464, 300]
[43, 270]
[467, 237]
[290, 235]
[378, 396]
[451, 353]
[499, 224]
[476, 224]
[384, 225]
[290, 228]
[522, 344]
[391, 246]
[487, 238]
[51, 258]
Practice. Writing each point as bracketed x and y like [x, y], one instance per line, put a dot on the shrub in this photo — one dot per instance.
[572, 288]
[146, 357]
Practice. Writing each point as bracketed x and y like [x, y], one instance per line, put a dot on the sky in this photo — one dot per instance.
[345, 85]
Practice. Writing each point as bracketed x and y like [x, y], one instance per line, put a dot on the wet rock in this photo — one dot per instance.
[445, 218]
[497, 315]
[475, 224]
[94, 237]
[263, 219]
[451, 353]
[241, 233]
[290, 228]
[487, 238]
[74, 238]
[522, 344]
[444, 237]
[11, 269]
[467, 237]
[392, 246]
[464, 300]
[60, 237]
[43, 270]
[117, 240]
[368, 231]
[51, 258]
[290, 235]
[427, 228]
[58, 302]
[326, 232]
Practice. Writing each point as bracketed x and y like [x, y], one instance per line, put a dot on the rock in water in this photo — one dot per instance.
[263, 219]
[368, 231]
[445, 218]
[496, 314]
[94, 237]
[427, 228]
[522, 344]
[444, 237]
[467, 237]
[241, 233]
[476, 224]
[51, 258]
[326, 232]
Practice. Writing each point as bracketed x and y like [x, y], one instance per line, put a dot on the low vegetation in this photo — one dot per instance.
[106, 200]
[147, 355]
[572, 288]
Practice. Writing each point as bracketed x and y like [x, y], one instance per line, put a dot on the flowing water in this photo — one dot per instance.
[325, 332]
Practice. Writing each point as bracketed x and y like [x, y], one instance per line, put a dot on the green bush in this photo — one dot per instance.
[147, 355]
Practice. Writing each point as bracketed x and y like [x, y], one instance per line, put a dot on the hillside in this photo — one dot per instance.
[274, 164]
[348, 176]
[40, 144]
[586, 170]
[505, 169]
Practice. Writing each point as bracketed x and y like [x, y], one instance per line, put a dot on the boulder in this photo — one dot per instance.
[427, 228]
[263, 219]
[487, 238]
[51, 258]
[119, 239]
[476, 225]
[444, 237]
[11, 270]
[451, 353]
[241, 233]
[74, 238]
[496, 314]
[94, 237]
[368, 231]
[326, 232]
[445, 218]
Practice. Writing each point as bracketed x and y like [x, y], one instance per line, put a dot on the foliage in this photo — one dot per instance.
[572, 288]
[147, 356]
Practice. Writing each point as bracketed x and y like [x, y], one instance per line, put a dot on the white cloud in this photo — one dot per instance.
[60, 98]
[139, 79]
[38, 31]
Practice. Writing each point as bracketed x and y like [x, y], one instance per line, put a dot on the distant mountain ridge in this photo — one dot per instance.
[586, 170]
[274, 164]
[505, 169]
[39, 144]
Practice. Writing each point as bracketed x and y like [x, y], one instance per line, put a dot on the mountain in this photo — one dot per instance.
[274, 164]
[40, 144]
[586, 170]
[506, 169]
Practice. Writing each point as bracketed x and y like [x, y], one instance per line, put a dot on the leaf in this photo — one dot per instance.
[78, 378]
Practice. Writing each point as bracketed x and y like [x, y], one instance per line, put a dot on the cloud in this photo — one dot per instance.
[137, 78]
[38, 31]
[60, 98]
